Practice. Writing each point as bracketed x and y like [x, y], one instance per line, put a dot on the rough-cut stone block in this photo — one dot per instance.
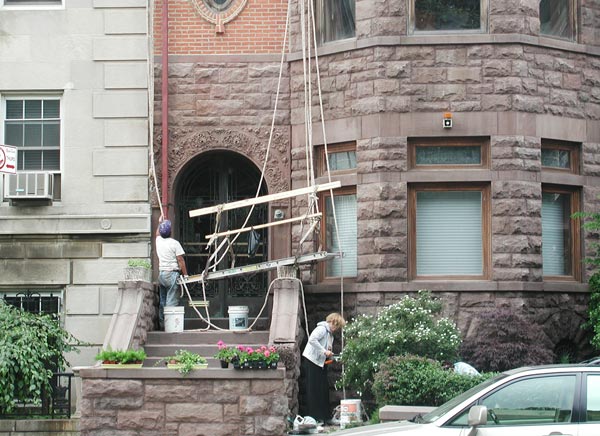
[140, 419]
[171, 394]
[196, 412]
[94, 388]
[209, 430]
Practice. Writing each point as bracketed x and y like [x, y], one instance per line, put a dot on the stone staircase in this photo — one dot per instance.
[160, 344]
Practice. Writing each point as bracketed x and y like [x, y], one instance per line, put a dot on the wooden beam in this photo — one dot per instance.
[262, 226]
[263, 266]
[264, 199]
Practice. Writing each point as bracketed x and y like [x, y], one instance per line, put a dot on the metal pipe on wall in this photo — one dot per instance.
[165, 106]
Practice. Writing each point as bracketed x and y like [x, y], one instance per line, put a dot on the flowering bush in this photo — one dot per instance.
[411, 326]
[225, 353]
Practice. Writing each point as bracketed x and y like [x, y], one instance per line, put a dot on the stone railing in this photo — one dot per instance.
[220, 402]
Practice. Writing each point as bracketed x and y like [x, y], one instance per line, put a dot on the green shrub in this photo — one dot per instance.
[143, 263]
[121, 356]
[32, 347]
[419, 381]
[411, 326]
[505, 340]
[594, 310]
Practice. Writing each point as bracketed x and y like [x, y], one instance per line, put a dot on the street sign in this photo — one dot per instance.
[8, 159]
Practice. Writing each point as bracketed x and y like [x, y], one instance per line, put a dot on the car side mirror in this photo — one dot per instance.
[477, 416]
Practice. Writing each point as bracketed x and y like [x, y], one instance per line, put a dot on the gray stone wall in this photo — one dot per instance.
[460, 78]
[211, 402]
[39, 427]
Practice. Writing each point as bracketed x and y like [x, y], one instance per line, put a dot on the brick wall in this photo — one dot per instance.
[258, 29]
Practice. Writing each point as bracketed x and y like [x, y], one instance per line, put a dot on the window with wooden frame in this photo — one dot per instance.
[558, 18]
[334, 20]
[342, 157]
[560, 156]
[561, 250]
[440, 153]
[449, 231]
[344, 203]
[448, 15]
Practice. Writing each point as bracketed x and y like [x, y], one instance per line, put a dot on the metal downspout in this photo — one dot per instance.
[165, 105]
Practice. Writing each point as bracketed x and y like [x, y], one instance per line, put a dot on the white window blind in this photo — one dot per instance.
[345, 210]
[449, 233]
[554, 233]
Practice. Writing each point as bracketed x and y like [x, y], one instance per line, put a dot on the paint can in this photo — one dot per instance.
[174, 319]
[350, 412]
[238, 317]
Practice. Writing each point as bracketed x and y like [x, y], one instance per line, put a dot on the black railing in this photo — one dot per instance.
[56, 402]
[34, 302]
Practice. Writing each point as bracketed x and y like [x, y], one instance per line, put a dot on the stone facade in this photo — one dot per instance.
[209, 402]
[93, 56]
[507, 86]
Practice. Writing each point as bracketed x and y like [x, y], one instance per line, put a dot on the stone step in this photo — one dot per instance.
[210, 337]
[193, 322]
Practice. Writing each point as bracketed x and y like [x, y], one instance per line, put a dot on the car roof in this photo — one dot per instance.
[541, 369]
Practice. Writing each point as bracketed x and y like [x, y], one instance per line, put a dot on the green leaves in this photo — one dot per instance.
[413, 325]
[32, 347]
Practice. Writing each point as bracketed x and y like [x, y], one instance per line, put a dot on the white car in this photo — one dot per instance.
[532, 401]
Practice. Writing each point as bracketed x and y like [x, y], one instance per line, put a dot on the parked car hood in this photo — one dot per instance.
[388, 428]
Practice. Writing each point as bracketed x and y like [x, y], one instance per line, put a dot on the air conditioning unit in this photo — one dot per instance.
[29, 185]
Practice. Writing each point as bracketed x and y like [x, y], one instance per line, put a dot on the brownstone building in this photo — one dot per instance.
[464, 134]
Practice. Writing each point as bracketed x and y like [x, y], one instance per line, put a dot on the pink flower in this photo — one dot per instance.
[267, 354]
[241, 348]
[250, 350]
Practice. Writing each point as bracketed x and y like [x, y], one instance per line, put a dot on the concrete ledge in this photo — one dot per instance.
[163, 373]
[399, 413]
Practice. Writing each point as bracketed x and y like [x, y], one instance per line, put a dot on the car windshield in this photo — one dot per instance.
[446, 407]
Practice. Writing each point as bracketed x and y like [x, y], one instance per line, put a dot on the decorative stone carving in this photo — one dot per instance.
[219, 16]
[186, 144]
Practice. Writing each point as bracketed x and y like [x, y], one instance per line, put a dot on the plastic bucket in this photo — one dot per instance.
[350, 412]
[174, 319]
[238, 317]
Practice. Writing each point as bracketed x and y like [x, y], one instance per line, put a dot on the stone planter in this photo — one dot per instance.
[137, 273]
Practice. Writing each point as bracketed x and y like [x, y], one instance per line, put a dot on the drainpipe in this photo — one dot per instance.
[165, 106]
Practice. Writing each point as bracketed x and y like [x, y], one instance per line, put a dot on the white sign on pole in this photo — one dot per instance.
[8, 159]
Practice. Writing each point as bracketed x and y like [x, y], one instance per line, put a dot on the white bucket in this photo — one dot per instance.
[350, 412]
[238, 317]
[174, 319]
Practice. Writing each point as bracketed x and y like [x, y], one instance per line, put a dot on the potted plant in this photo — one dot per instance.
[225, 354]
[185, 361]
[262, 357]
[121, 358]
[138, 269]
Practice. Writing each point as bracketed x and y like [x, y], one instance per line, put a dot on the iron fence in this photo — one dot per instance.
[56, 402]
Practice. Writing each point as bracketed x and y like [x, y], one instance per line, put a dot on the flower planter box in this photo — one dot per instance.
[179, 366]
[121, 365]
[254, 365]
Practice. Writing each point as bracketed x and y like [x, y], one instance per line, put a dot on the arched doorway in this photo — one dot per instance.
[210, 179]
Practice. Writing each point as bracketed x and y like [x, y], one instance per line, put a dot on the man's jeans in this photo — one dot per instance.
[168, 293]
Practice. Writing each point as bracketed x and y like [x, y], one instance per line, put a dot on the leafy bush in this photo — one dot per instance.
[31, 349]
[411, 326]
[594, 310]
[143, 263]
[506, 340]
[419, 381]
[187, 360]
